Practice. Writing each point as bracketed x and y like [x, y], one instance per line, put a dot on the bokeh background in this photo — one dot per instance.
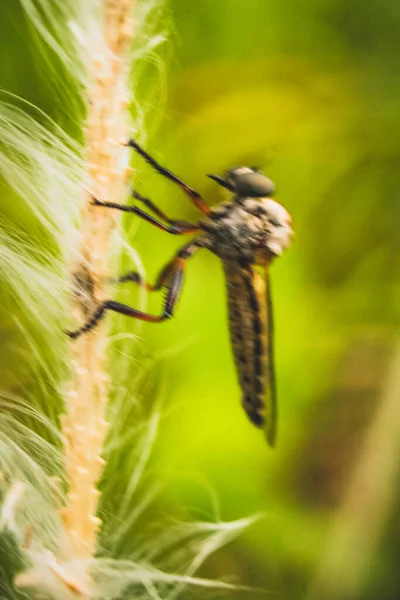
[308, 91]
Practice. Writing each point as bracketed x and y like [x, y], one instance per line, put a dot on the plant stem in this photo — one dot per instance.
[84, 425]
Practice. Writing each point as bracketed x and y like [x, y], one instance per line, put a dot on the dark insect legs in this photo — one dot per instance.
[171, 276]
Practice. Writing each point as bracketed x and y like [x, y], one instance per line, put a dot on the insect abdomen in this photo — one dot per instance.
[250, 329]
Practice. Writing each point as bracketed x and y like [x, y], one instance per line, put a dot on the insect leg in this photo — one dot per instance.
[160, 214]
[170, 277]
[135, 277]
[175, 227]
[193, 195]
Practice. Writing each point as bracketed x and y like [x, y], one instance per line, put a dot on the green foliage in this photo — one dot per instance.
[309, 92]
[11, 563]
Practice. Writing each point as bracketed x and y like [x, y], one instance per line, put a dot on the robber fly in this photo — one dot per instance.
[247, 233]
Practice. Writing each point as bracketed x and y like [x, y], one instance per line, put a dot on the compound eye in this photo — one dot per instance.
[255, 185]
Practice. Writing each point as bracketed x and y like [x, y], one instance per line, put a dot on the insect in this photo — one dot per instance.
[247, 233]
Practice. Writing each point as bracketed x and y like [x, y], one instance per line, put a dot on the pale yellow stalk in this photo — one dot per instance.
[84, 425]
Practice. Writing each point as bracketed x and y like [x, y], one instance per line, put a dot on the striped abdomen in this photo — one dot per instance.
[250, 322]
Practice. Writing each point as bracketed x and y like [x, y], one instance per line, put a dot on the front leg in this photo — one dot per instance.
[175, 227]
[194, 196]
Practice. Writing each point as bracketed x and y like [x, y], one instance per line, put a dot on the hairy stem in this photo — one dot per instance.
[84, 425]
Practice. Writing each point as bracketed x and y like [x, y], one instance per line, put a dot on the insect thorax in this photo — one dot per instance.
[254, 230]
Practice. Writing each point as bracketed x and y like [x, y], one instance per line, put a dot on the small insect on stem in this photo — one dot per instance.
[247, 233]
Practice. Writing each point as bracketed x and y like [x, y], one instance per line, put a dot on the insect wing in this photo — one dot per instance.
[262, 286]
[251, 328]
[271, 430]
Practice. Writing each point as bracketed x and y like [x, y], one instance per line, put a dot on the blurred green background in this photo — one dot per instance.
[309, 91]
